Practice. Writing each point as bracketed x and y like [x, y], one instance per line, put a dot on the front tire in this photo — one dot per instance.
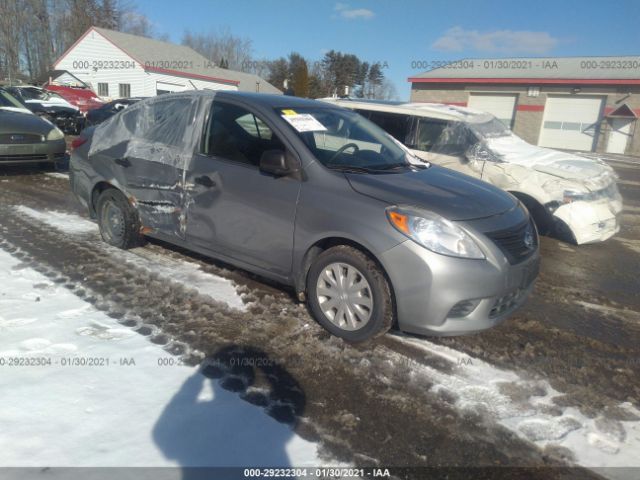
[118, 220]
[349, 294]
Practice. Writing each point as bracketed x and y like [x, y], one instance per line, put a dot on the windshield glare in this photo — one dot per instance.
[491, 129]
[342, 139]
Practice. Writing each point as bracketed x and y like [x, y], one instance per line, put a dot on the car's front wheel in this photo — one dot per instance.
[349, 294]
[118, 220]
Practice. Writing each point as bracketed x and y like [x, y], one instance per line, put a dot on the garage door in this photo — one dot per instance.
[502, 106]
[571, 122]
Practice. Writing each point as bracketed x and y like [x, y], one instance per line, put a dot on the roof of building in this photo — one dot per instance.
[587, 70]
[169, 58]
[431, 110]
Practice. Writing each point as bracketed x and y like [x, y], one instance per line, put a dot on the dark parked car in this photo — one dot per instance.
[314, 196]
[100, 114]
[51, 106]
[27, 138]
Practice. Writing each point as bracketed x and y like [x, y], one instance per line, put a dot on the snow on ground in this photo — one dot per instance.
[621, 313]
[67, 222]
[64, 176]
[187, 273]
[56, 414]
[526, 407]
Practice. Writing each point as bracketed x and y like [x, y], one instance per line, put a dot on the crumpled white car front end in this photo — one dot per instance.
[591, 211]
[579, 193]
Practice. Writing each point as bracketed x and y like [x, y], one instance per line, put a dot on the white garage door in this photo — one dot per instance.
[571, 122]
[502, 105]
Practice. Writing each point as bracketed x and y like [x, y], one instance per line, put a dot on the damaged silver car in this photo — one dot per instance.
[572, 197]
[316, 197]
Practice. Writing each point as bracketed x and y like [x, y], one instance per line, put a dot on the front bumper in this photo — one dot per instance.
[427, 286]
[591, 222]
[46, 152]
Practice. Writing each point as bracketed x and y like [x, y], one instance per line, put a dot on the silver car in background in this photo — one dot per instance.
[316, 197]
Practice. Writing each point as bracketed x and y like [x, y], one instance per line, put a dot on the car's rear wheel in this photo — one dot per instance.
[349, 294]
[118, 220]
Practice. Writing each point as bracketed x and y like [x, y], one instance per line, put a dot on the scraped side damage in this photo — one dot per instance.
[152, 140]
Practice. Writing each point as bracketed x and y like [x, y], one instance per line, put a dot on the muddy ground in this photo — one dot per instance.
[580, 332]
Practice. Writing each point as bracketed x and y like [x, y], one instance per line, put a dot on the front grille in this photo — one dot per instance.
[26, 158]
[20, 138]
[513, 242]
[506, 303]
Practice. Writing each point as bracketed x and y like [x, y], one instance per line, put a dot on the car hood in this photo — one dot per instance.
[17, 121]
[57, 103]
[512, 149]
[451, 194]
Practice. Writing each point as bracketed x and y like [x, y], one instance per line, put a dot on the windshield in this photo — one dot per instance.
[491, 129]
[8, 100]
[342, 139]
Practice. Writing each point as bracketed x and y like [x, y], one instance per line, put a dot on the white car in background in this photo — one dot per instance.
[573, 197]
[32, 95]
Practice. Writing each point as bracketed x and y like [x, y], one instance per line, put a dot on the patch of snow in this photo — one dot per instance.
[69, 223]
[110, 414]
[621, 313]
[187, 273]
[482, 388]
[64, 176]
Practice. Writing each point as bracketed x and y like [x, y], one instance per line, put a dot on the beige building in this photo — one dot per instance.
[576, 103]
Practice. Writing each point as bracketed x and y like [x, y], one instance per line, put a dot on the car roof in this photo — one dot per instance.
[264, 99]
[430, 110]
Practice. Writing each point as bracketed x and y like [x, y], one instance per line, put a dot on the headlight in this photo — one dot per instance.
[569, 196]
[434, 232]
[55, 134]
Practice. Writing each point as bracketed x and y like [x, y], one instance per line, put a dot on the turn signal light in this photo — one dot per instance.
[400, 221]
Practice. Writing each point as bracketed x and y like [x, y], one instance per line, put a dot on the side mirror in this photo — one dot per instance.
[275, 162]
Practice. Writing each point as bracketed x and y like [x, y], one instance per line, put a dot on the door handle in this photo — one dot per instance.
[205, 181]
[123, 162]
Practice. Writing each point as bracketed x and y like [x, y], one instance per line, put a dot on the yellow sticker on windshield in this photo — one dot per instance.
[289, 112]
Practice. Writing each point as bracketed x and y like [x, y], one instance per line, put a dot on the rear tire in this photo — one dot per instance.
[349, 294]
[118, 220]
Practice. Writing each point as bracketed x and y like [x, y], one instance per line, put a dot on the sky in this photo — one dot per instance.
[406, 36]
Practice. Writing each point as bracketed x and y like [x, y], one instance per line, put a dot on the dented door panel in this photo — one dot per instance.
[240, 212]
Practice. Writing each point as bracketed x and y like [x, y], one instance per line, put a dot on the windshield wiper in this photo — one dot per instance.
[391, 166]
[351, 169]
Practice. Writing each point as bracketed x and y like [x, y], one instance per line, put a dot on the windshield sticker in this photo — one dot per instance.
[289, 112]
[304, 122]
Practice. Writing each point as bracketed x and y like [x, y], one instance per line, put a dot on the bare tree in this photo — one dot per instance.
[33, 33]
[218, 45]
[11, 19]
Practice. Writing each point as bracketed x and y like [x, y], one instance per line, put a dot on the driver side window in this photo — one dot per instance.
[454, 140]
[236, 134]
[429, 132]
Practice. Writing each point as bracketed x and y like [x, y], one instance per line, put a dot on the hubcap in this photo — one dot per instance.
[113, 221]
[344, 296]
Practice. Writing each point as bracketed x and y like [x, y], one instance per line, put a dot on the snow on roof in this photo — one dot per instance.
[433, 110]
